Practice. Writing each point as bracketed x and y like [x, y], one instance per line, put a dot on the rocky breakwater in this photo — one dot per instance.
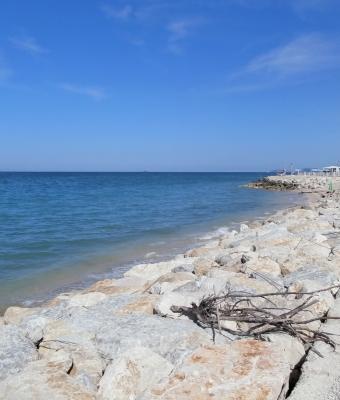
[302, 183]
[123, 339]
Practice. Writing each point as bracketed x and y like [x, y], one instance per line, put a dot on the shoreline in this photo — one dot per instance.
[301, 183]
[87, 340]
[197, 235]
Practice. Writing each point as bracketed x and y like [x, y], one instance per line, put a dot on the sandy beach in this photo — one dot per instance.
[141, 336]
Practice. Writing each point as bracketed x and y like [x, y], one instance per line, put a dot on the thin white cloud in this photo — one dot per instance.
[93, 92]
[306, 53]
[141, 11]
[180, 29]
[28, 44]
[154, 13]
[122, 13]
[293, 61]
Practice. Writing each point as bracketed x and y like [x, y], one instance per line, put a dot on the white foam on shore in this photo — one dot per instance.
[215, 234]
[29, 303]
[150, 254]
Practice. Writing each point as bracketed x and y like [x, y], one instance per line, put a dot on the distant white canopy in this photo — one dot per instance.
[332, 168]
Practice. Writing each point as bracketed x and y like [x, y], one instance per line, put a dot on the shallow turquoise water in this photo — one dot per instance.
[62, 230]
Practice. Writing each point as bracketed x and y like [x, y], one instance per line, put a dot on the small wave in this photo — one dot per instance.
[31, 303]
[215, 234]
[150, 254]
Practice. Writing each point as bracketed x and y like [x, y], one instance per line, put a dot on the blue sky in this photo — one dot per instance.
[205, 85]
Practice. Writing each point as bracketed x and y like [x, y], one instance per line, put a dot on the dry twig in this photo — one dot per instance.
[264, 317]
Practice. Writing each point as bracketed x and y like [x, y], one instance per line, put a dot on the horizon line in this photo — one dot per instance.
[128, 172]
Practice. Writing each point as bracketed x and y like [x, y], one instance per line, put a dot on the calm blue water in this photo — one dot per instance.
[62, 230]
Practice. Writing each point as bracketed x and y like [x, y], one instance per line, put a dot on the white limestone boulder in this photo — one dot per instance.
[15, 351]
[151, 272]
[169, 282]
[41, 380]
[119, 286]
[165, 302]
[244, 369]
[169, 338]
[86, 299]
[14, 315]
[129, 375]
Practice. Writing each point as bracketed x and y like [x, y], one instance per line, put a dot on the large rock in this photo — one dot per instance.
[43, 380]
[61, 359]
[88, 367]
[275, 235]
[312, 273]
[279, 254]
[144, 304]
[170, 281]
[212, 285]
[219, 281]
[184, 268]
[203, 265]
[132, 373]
[245, 369]
[15, 351]
[14, 315]
[306, 228]
[119, 286]
[201, 251]
[223, 259]
[87, 299]
[263, 265]
[279, 240]
[87, 363]
[163, 305]
[241, 282]
[204, 286]
[170, 338]
[33, 327]
[312, 251]
[290, 348]
[106, 328]
[320, 377]
[151, 272]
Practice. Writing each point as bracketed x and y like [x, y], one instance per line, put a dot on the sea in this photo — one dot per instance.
[63, 231]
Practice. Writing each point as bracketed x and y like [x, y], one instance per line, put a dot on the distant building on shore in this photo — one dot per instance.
[333, 169]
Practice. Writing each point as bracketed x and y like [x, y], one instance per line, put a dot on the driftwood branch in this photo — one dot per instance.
[264, 317]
